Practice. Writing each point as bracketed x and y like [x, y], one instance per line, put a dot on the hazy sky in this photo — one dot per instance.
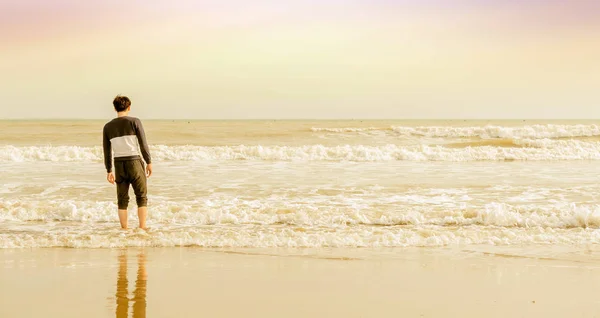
[301, 58]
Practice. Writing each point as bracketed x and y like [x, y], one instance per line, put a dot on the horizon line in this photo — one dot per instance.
[296, 119]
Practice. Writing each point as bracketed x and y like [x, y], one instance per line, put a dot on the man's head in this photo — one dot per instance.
[121, 103]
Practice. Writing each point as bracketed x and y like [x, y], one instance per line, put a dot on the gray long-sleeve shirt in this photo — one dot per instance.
[124, 137]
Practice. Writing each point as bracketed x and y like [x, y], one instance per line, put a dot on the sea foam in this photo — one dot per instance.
[435, 217]
[489, 131]
[529, 149]
[336, 214]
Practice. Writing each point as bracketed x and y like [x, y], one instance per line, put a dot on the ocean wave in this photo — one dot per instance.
[85, 224]
[527, 149]
[485, 132]
[109, 236]
[311, 214]
[523, 143]
[349, 129]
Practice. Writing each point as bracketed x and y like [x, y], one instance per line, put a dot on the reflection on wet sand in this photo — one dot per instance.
[139, 294]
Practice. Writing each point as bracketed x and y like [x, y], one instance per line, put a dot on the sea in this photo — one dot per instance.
[300, 183]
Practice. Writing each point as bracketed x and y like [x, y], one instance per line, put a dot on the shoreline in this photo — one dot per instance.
[406, 282]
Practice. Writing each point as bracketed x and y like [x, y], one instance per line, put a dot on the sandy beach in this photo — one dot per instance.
[193, 282]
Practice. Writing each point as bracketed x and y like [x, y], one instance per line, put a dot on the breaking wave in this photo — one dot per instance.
[257, 212]
[485, 132]
[526, 149]
[94, 224]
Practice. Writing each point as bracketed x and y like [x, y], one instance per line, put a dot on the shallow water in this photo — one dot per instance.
[309, 184]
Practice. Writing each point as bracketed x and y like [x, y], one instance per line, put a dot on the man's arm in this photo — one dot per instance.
[141, 136]
[110, 177]
[107, 151]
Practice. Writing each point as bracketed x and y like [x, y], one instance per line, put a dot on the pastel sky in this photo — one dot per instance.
[249, 59]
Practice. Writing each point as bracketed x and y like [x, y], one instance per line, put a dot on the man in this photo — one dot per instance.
[125, 138]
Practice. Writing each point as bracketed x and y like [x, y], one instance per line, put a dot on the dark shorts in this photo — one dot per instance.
[130, 172]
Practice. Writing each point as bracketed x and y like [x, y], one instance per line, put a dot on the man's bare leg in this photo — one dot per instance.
[123, 218]
[142, 213]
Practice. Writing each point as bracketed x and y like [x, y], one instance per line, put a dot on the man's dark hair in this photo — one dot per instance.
[121, 103]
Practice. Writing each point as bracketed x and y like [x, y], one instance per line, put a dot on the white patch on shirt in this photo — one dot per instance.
[125, 146]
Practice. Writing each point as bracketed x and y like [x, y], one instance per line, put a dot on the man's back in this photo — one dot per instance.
[124, 137]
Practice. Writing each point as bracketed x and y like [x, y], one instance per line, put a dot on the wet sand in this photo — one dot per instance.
[193, 282]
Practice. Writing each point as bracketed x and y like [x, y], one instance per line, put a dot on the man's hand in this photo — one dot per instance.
[148, 170]
[110, 177]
